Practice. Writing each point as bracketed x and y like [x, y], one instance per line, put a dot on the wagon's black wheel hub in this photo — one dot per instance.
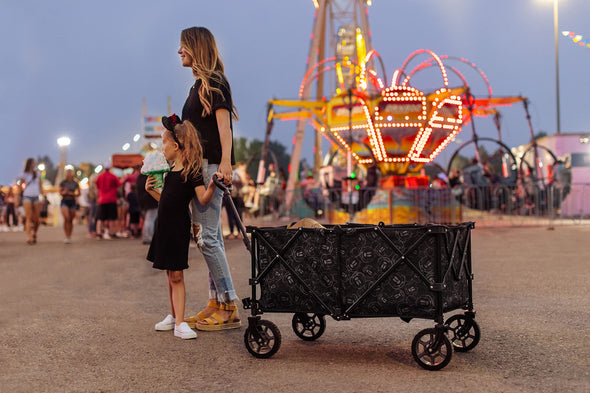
[464, 332]
[263, 340]
[431, 349]
[308, 326]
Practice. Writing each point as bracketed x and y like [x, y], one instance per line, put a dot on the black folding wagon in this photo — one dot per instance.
[364, 271]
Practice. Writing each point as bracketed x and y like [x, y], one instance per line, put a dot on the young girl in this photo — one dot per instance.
[169, 247]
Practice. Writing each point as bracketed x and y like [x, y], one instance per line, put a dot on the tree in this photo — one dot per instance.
[249, 152]
[460, 162]
[50, 168]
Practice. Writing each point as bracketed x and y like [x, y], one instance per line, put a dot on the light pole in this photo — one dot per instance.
[63, 144]
[555, 24]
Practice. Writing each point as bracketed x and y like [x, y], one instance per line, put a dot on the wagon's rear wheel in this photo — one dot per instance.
[464, 332]
[265, 341]
[431, 349]
[308, 327]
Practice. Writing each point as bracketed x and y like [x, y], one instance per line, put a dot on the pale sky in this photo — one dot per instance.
[81, 68]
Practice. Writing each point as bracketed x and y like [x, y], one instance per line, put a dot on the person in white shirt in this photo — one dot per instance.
[32, 194]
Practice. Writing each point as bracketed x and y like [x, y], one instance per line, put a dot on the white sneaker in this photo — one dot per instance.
[106, 236]
[67, 240]
[184, 331]
[166, 324]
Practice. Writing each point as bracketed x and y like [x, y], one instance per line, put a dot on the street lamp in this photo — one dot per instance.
[63, 143]
[555, 26]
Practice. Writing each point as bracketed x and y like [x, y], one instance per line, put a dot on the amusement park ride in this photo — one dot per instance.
[389, 125]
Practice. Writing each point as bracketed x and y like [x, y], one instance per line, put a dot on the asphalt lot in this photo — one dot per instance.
[80, 317]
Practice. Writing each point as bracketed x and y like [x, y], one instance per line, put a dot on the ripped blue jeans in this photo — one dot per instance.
[221, 286]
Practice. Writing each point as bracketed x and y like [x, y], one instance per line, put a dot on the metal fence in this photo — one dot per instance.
[500, 205]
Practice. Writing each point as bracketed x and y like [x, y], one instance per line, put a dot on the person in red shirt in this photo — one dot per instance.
[107, 185]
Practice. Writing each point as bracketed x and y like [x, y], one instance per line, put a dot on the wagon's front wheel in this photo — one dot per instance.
[308, 327]
[464, 332]
[264, 340]
[431, 349]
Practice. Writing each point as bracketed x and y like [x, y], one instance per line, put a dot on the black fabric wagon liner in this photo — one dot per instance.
[355, 270]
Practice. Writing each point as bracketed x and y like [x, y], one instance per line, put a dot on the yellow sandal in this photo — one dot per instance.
[215, 321]
[202, 315]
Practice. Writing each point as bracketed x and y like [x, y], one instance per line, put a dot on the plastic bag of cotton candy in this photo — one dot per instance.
[155, 164]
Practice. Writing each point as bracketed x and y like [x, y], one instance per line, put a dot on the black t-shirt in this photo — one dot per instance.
[207, 126]
[71, 186]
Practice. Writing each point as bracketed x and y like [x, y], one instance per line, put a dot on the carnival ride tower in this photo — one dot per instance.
[340, 39]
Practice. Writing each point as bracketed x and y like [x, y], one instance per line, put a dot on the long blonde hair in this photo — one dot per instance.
[192, 152]
[207, 65]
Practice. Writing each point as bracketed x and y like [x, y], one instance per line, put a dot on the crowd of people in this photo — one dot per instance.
[109, 206]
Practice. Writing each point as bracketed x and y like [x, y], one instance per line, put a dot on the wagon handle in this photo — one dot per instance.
[227, 195]
[220, 185]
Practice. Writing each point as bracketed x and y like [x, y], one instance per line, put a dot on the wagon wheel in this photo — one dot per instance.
[308, 327]
[265, 341]
[431, 349]
[464, 332]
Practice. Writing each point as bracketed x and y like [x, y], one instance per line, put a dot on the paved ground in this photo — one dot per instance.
[79, 318]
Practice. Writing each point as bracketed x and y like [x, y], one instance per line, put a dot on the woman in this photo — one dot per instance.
[210, 109]
[69, 189]
[32, 199]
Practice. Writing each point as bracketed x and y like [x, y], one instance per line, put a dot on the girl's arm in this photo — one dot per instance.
[149, 187]
[206, 194]
[223, 124]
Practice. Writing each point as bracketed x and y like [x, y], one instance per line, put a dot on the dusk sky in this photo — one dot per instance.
[81, 68]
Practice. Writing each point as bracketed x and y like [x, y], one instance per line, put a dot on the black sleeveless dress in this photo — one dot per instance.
[169, 247]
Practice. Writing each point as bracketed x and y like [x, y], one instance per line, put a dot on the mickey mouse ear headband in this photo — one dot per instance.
[169, 123]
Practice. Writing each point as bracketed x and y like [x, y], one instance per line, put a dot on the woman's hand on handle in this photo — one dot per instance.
[219, 177]
[225, 173]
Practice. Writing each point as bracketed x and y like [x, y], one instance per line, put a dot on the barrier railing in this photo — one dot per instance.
[499, 205]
